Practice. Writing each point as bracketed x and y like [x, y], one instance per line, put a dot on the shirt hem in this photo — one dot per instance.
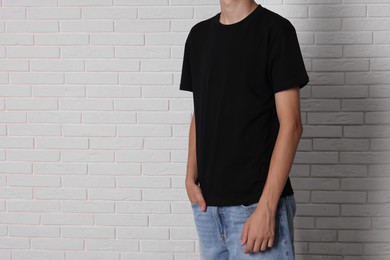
[241, 201]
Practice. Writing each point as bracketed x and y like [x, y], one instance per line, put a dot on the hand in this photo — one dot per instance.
[195, 195]
[259, 229]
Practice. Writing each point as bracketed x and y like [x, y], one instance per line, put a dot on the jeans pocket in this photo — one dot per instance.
[251, 206]
[194, 204]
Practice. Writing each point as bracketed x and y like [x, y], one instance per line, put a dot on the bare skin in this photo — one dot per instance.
[259, 230]
[193, 190]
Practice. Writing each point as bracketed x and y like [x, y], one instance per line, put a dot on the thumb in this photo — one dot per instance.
[202, 203]
[244, 234]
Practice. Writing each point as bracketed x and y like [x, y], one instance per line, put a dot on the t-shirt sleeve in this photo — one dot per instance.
[286, 67]
[186, 77]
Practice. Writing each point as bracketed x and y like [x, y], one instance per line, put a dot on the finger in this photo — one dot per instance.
[244, 234]
[264, 245]
[271, 242]
[202, 204]
[272, 237]
[256, 246]
[249, 246]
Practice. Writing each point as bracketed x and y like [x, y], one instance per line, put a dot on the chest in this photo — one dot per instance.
[231, 61]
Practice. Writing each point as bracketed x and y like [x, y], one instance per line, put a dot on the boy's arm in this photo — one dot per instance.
[192, 170]
[290, 132]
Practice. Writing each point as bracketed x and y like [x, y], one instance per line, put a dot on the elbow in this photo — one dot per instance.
[296, 128]
[300, 130]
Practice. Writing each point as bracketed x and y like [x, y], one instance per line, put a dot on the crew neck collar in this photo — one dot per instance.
[247, 18]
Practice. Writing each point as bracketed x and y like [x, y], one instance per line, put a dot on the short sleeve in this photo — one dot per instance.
[186, 77]
[286, 67]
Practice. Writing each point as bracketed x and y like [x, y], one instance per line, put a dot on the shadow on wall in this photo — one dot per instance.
[343, 209]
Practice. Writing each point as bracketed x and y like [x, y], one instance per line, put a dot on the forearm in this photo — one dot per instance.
[192, 170]
[280, 165]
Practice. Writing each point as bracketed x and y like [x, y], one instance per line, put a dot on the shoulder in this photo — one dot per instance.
[277, 23]
[199, 29]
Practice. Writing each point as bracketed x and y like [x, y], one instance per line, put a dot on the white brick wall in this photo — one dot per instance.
[94, 129]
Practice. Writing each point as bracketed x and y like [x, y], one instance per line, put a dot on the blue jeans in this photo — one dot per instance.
[219, 231]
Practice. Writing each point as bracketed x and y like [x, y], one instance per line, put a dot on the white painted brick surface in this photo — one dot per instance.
[94, 129]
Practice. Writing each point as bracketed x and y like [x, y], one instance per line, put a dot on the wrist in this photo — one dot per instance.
[268, 204]
[191, 181]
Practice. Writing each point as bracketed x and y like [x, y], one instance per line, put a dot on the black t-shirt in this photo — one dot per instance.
[234, 72]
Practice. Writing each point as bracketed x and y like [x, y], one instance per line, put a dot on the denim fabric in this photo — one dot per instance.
[219, 231]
